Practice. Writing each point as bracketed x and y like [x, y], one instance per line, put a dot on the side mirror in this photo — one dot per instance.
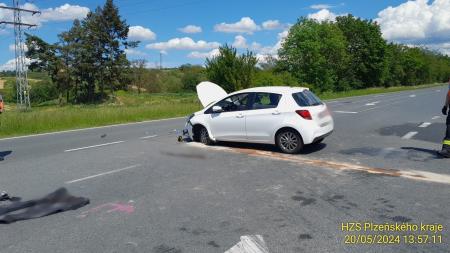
[217, 109]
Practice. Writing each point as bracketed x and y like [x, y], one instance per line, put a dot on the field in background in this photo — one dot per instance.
[128, 107]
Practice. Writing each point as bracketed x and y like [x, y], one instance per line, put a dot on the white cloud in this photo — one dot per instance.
[185, 43]
[134, 52]
[263, 53]
[321, 6]
[323, 15]
[240, 42]
[272, 25]
[245, 25]
[256, 46]
[204, 55]
[12, 48]
[416, 21]
[141, 33]
[190, 29]
[10, 65]
[64, 12]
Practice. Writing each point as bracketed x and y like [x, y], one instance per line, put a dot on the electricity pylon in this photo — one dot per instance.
[23, 89]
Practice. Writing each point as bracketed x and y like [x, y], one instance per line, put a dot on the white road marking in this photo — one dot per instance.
[409, 135]
[436, 117]
[250, 244]
[102, 174]
[438, 90]
[412, 96]
[94, 146]
[148, 137]
[425, 124]
[345, 112]
[373, 103]
[90, 128]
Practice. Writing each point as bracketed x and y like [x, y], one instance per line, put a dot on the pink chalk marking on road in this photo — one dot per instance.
[109, 208]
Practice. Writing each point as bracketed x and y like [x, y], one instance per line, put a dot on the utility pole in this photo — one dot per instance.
[160, 60]
[23, 94]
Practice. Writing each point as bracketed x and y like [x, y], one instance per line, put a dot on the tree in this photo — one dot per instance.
[139, 73]
[315, 53]
[192, 75]
[88, 58]
[230, 70]
[366, 48]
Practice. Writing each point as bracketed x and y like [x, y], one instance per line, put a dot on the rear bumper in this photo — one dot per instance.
[322, 136]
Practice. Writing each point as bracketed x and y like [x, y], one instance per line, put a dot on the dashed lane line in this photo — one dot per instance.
[436, 117]
[409, 135]
[93, 146]
[148, 137]
[345, 112]
[102, 174]
[425, 124]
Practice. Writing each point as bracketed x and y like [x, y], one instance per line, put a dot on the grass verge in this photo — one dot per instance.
[127, 108]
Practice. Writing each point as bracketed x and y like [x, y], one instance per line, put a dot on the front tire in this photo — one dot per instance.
[289, 141]
[204, 137]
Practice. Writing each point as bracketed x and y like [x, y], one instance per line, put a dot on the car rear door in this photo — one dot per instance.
[229, 125]
[263, 117]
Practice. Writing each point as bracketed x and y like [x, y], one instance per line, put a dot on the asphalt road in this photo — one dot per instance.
[151, 194]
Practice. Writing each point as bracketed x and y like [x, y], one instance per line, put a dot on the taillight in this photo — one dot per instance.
[304, 114]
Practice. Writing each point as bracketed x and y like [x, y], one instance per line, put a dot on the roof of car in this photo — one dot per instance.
[274, 89]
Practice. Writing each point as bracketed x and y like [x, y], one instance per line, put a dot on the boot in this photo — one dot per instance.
[445, 152]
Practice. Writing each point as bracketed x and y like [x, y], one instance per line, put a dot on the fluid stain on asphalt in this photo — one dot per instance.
[166, 249]
[401, 219]
[184, 155]
[213, 244]
[410, 174]
[432, 133]
[305, 237]
[304, 201]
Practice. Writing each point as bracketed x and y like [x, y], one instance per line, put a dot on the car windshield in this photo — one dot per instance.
[306, 98]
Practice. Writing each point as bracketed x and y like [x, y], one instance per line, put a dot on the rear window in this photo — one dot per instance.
[306, 98]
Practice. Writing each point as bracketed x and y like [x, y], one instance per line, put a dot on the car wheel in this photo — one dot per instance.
[204, 137]
[289, 141]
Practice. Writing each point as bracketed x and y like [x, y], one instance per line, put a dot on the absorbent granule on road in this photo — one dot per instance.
[58, 201]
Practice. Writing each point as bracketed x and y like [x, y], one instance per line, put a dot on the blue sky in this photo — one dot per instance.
[257, 25]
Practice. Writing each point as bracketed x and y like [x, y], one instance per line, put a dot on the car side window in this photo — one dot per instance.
[265, 101]
[238, 102]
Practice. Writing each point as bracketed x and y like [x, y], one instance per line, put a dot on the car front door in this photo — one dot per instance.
[263, 117]
[229, 125]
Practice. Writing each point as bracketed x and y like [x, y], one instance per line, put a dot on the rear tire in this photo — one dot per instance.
[204, 137]
[289, 141]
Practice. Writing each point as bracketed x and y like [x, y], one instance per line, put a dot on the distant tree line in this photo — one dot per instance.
[351, 53]
[88, 63]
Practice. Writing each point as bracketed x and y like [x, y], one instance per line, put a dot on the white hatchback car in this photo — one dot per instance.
[285, 116]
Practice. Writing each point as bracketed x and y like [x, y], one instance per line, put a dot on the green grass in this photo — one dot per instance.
[372, 91]
[127, 108]
[52, 118]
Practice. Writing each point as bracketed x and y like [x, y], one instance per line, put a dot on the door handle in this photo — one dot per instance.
[276, 113]
[239, 116]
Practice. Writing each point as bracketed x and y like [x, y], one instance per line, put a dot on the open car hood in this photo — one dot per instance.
[209, 92]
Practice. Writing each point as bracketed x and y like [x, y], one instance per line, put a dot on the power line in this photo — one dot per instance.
[23, 89]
